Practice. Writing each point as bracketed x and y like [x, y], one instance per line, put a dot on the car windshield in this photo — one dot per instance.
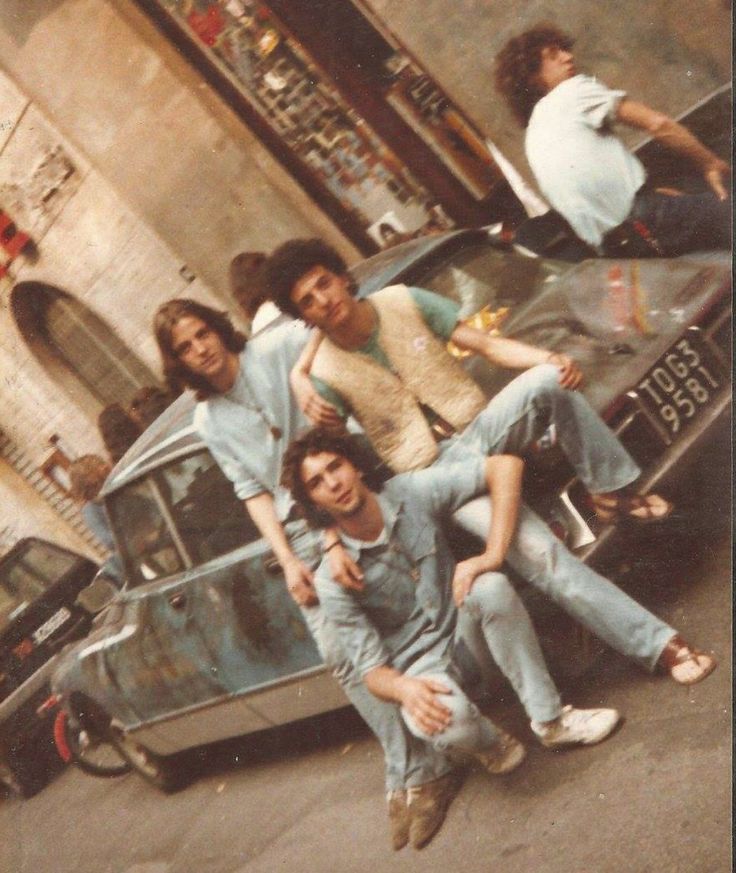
[482, 275]
[183, 514]
[28, 575]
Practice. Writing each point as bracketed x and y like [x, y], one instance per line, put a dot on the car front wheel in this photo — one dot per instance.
[158, 771]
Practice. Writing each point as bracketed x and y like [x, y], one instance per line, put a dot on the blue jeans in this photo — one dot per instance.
[469, 731]
[515, 417]
[521, 412]
[539, 557]
[682, 224]
[409, 761]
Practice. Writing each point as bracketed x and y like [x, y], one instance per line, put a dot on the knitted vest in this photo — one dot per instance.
[385, 402]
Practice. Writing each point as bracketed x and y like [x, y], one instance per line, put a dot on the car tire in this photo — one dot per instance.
[96, 756]
[159, 771]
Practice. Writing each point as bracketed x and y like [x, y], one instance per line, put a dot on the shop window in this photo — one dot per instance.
[76, 346]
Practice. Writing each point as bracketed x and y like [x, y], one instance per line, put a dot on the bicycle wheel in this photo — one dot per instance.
[93, 754]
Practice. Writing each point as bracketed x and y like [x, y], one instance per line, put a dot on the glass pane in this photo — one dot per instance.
[145, 539]
[208, 516]
[47, 562]
[28, 576]
[305, 109]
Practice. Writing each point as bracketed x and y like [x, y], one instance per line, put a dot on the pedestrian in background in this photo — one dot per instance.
[246, 285]
[118, 430]
[147, 404]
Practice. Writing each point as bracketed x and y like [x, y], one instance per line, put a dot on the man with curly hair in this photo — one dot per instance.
[584, 169]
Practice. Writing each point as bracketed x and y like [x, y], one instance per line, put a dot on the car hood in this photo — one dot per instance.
[617, 317]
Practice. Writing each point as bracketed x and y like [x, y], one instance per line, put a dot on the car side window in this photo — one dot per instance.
[29, 575]
[208, 516]
[144, 534]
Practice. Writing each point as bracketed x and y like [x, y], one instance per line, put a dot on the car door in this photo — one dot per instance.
[207, 610]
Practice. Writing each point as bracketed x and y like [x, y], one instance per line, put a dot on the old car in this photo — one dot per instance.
[40, 611]
[204, 641]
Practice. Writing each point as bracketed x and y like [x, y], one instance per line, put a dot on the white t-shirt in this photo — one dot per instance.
[581, 166]
[266, 313]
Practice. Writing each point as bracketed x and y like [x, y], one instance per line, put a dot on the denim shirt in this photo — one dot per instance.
[248, 428]
[405, 610]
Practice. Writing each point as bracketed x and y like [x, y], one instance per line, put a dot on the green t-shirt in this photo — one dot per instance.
[438, 313]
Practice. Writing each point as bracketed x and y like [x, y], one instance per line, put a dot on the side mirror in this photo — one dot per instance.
[99, 593]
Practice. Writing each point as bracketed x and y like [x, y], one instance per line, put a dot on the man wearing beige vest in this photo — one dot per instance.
[384, 360]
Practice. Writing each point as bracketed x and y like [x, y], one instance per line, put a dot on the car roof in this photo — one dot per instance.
[171, 435]
[23, 543]
[391, 265]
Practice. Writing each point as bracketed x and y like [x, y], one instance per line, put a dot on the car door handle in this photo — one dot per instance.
[271, 565]
[178, 600]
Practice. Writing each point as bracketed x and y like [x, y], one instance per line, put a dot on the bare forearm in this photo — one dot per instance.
[385, 683]
[499, 350]
[678, 139]
[306, 358]
[262, 510]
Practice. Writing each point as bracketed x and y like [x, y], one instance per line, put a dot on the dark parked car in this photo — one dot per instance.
[39, 612]
[205, 643]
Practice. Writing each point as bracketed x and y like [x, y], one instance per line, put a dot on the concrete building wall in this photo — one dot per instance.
[92, 246]
[137, 184]
[24, 514]
[668, 53]
[155, 131]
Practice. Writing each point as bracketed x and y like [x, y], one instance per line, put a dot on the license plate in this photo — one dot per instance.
[59, 618]
[682, 384]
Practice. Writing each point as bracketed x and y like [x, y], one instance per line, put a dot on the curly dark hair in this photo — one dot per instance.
[314, 442]
[518, 63]
[177, 376]
[292, 260]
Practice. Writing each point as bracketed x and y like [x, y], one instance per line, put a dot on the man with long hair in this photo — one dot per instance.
[584, 169]
[246, 415]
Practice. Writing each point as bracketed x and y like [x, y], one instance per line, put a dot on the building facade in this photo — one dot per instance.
[143, 143]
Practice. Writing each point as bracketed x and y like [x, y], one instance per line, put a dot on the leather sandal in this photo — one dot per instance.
[639, 508]
[685, 664]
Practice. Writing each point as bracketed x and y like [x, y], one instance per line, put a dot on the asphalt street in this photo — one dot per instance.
[654, 797]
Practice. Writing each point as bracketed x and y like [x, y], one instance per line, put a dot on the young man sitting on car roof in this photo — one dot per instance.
[384, 359]
[246, 415]
[586, 172]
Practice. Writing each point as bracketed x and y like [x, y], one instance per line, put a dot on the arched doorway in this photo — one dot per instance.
[82, 354]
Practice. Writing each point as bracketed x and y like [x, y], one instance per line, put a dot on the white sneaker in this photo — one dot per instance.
[577, 726]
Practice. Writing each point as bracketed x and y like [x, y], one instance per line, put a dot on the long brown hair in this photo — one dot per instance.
[177, 375]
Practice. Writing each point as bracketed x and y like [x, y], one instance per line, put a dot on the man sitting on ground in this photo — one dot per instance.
[402, 632]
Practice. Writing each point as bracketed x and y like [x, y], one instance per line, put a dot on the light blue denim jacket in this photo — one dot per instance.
[405, 610]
